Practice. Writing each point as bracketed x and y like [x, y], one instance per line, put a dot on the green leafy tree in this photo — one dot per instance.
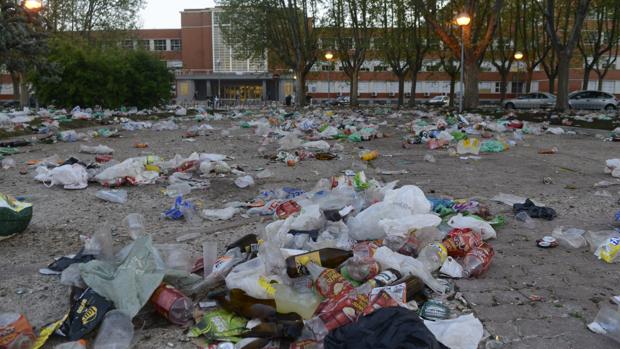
[88, 75]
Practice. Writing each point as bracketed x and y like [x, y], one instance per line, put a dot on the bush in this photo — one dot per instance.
[87, 75]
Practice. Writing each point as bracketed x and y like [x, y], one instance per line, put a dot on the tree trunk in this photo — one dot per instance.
[15, 80]
[528, 84]
[452, 88]
[600, 84]
[401, 90]
[300, 89]
[503, 75]
[552, 85]
[354, 88]
[471, 97]
[24, 96]
[586, 76]
[414, 87]
[561, 103]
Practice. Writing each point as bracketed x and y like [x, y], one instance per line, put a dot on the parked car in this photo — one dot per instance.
[439, 101]
[534, 100]
[596, 100]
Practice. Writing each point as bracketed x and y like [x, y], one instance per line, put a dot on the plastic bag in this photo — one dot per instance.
[244, 182]
[365, 226]
[223, 214]
[570, 237]
[404, 225]
[464, 332]
[99, 149]
[492, 146]
[460, 221]
[289, 142]
[316, 146]
[410, 197]
[612, 166]
[408, 266]
[607, 322]
[69, 176]
[310, 218]
[609, 251]
[246, 276]
[468, 146]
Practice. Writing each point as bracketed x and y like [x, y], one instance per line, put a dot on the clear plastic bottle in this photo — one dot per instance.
[432, 256]
[135, 224]
[116, 331]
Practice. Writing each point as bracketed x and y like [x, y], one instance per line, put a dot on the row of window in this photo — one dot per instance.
[160, 45]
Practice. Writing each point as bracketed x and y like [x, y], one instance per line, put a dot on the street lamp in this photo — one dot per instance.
[329, 56]
[462, 20]
[33, 5]
[518, 57]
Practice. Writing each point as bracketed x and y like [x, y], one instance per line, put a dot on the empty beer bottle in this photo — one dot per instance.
[239, 302]
[247, 243]
[326, 257]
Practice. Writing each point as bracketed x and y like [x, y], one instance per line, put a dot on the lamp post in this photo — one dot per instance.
[32, 5]
[329, 56]
[518, 57]
[462, 20]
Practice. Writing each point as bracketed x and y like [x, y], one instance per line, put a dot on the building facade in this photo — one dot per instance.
[205, 67]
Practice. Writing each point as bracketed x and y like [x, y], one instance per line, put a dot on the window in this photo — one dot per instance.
[144, 44]
[160, 45]
[517, 86]
[327, 67]
[498, 87]
[175, 45]
[379, 68]
[128, 44]
[364, 69]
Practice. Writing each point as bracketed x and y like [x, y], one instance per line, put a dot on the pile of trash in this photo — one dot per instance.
[336, 261]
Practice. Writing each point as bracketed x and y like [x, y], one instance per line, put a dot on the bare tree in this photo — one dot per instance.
[420, 44]
[600, 36]
[602, 67]
[285, 29]
[563, 23]
[476, 36]
[531, 38]
[353, 24]
[451, 65]
[503, 47]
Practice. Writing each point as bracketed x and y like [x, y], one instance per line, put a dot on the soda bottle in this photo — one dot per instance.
[328, 282]
[173, 305]
[478, 260]
[407, 245]
[460, 241]
[326, 257]
[433, 256]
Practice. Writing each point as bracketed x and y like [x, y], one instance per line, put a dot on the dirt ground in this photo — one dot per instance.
[572, 283]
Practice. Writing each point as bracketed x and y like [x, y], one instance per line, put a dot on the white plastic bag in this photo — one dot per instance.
[410, 197]
[223, 214]
[460, 221]
[310, 218]
[69, 176]
[99, 149]
[570, 237]
[317, 145]
[365, 226]
[464, 332]
[244, 182]
[246, 276]
[402, 226]
[408, 266]
[612, 166]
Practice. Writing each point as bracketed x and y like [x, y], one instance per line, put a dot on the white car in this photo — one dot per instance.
[534, 100]
[439, 101]
[595, 100]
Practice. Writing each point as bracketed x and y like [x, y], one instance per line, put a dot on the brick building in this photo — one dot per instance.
[205, 67]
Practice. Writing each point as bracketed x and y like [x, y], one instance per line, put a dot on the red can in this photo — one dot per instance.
[173, 305]
[460, 241]
[287, 208]
[15, 332]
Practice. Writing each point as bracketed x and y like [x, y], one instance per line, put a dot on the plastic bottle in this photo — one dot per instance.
[81, 344]
[176, 189]
[116, 331]
[116, 196]
[289, 300]
[369, 155]
[173, 305]
[384, 278]
[607, 322]
[209, 256]
[526, 219]
[135, 224]
[326, 257]
[433, 256]
[477, 260]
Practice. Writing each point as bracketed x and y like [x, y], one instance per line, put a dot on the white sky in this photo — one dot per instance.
[164, 14]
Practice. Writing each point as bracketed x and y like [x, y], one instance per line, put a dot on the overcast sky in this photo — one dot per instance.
[165, 13]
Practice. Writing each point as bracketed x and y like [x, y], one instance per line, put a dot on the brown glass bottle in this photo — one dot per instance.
[326, 257]
[246, 243]
[239, 302]
[284, 329]
[415, 286]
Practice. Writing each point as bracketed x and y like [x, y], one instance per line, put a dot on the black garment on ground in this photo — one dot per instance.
[535, 211]
[388, 328]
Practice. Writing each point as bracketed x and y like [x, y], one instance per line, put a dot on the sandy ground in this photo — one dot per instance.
[572, 283]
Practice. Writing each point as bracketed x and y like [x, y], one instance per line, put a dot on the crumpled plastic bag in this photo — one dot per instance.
[317, 145]
[223, 214]
[310, 218]
[402, 226]
[289, 142]
[460, 221]
[410, 197]
[246, 276]
[612, 166]
[69, 176]
[365, 226]
[464, 332]
[130, 283]
[132, 167]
